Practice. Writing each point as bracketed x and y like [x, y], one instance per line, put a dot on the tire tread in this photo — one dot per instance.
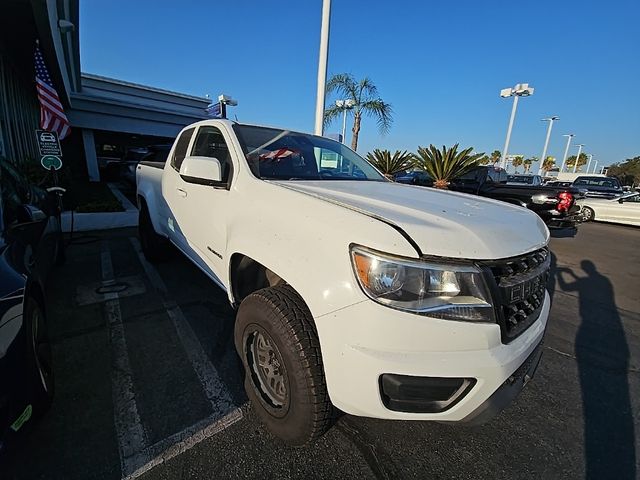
[301, 333]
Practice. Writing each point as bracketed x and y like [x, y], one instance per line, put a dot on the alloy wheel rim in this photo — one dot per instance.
[268, 368]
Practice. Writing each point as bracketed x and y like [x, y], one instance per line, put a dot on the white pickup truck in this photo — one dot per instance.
[381, 299]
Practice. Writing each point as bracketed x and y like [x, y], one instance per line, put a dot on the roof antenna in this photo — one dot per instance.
[235, 116]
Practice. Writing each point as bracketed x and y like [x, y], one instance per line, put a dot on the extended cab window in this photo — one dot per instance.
[181, 148]
[210, 143]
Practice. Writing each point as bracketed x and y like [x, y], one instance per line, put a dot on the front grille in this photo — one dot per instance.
[520, 284]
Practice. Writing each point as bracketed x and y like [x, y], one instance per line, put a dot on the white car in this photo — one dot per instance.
[624, 209]
[381, 299]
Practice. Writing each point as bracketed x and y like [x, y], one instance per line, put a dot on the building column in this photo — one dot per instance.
[90, 155]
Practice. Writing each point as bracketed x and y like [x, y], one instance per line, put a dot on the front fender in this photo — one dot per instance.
[306, 241]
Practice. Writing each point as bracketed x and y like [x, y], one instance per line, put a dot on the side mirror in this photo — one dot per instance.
[202, 171]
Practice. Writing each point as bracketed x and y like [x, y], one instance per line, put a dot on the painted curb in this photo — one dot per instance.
[83, 222]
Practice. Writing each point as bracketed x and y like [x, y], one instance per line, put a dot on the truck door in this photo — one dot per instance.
[206, 207]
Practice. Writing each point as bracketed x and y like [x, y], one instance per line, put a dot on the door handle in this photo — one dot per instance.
[181, 192]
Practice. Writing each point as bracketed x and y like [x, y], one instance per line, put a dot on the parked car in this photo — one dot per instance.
[624, 209]
[152, 153]
[353, 291]
[416, 177]
[534, 180]
[555, 205]
[30, 244]
[599, 187]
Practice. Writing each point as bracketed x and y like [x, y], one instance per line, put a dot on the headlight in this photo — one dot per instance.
[452, 291]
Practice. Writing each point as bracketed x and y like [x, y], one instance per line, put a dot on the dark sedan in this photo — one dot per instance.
[30, 244]
[415, 178]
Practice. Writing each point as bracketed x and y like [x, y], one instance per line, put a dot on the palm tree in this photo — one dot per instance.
[485, 160]
[364, 97]
[517, 161]
[389, 164]
[495, 156]
[548, 164]
[446, 164]
[572, 159]
[528, 162]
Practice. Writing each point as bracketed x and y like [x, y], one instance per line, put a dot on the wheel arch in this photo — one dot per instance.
[247, 275]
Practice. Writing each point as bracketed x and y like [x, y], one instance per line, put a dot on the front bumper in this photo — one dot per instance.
[363, 342]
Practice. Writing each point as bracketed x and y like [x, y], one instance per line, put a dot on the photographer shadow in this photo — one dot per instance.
[602, 354]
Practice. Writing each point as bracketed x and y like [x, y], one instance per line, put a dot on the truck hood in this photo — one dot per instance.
[441, 223]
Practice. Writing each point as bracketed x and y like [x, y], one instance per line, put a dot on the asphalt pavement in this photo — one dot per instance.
[148, 384]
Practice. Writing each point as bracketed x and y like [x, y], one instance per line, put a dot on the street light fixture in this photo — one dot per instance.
[566, 150]
[546, 142]
[575, 164]
[520, 90]
[344, 105]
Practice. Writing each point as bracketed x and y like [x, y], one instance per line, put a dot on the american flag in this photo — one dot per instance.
[52, 115]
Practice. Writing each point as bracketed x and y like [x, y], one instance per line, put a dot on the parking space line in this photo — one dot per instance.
[182, 441]
[213, 387]
[131, 435]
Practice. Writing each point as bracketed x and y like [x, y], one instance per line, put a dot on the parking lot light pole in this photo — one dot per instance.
[322, 66]
[589, 164]
[575, 165]
[344, 105]
[595, 166]
[566, 150]
[546, 142]
[520, 90]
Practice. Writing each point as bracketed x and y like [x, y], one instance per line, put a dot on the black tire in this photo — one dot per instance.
[297, 409]
[156, 248]
[40, 358]
[588, 214]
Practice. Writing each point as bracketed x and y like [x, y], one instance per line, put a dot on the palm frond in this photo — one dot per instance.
[381, 111]
[445, 164]
[390, 164]
[343, 84]
[331, 113]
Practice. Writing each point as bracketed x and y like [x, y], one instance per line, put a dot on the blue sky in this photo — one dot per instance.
[440, 64]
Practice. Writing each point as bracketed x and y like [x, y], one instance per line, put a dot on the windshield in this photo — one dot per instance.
[276, 154]
[608, 182]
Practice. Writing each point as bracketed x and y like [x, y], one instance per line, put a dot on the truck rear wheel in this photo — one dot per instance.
[155, 247]
[277, 341]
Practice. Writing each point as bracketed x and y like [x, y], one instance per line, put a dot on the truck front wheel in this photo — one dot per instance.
[277, 341]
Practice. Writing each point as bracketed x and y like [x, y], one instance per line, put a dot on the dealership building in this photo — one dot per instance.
[107, 116]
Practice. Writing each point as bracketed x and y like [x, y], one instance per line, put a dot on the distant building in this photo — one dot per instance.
[106, 115]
